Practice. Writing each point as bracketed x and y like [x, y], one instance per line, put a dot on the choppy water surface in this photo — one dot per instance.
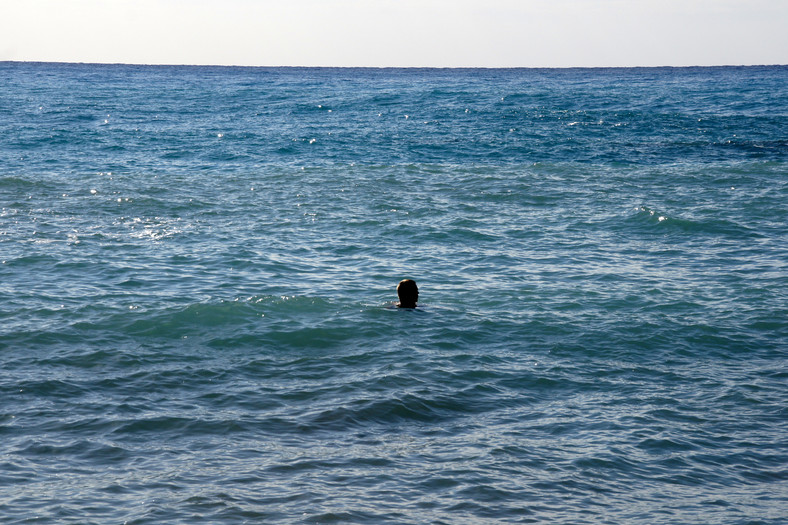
[196, 264]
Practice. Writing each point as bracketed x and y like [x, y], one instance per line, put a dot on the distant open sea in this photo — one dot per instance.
[197, 267]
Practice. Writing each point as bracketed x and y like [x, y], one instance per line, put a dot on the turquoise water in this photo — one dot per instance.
[197, 264]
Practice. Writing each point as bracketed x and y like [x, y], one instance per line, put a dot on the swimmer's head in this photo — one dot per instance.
[408, 293]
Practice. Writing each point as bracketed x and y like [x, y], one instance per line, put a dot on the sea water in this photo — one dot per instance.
[197, 267]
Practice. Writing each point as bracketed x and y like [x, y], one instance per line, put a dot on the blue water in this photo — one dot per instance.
[197, 266]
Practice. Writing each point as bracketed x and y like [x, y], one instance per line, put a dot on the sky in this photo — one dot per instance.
[397, 33]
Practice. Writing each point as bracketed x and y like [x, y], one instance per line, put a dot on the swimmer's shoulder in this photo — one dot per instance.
[417, 308]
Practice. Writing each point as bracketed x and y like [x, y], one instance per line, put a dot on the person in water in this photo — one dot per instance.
[408, 293]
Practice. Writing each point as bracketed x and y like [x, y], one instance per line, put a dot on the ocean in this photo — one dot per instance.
[198, 267]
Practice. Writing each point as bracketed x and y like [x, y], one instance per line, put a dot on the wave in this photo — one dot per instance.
[14, 183]
[652, 220]
[269, 321]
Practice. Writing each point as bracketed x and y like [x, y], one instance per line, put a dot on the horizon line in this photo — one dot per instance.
[166, 64]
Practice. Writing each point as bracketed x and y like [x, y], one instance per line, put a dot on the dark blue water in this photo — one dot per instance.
[197, 266]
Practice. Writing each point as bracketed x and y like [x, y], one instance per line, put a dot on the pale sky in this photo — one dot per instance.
[438, 33]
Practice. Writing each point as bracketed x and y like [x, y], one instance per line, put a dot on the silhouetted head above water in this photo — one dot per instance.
[408, 293]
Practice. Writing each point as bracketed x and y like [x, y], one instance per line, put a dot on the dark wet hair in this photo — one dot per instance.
[408, 292]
